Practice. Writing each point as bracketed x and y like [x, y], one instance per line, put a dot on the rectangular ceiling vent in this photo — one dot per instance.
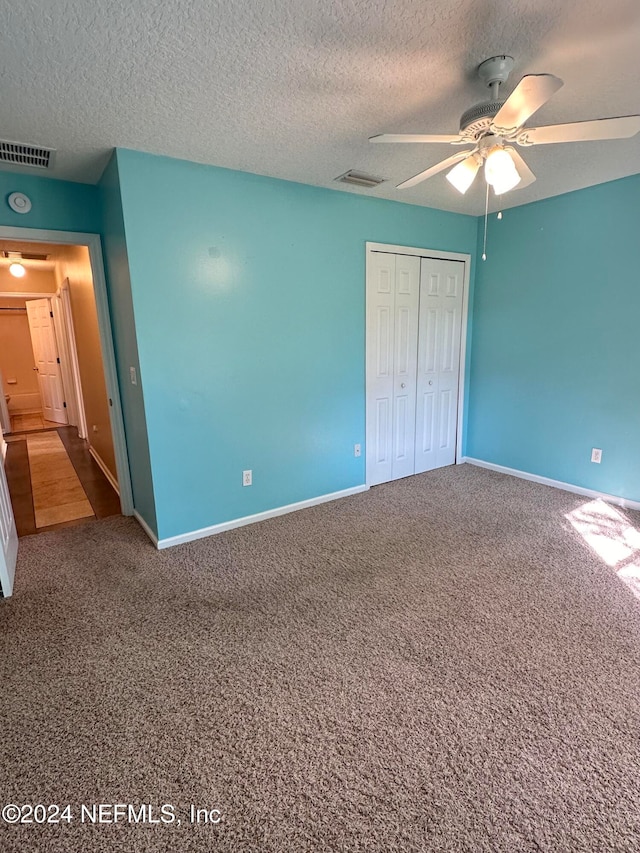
[359, 179]
[25, 256]
[19, 154]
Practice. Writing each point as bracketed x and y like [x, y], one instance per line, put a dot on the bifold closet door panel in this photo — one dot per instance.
[407, 295]
[380, 357]
[441, 292]
[392, 347]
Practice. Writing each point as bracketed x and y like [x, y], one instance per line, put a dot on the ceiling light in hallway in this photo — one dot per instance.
[17, 270]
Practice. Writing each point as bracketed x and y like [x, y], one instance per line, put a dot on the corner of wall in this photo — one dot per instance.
[125, 342]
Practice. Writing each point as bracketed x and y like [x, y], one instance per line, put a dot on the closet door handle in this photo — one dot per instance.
[403, 384]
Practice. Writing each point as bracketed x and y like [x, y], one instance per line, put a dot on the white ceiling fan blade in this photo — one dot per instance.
[526, 175]
[433, 170]
[415, 137]
[530, 94]
[582, 131]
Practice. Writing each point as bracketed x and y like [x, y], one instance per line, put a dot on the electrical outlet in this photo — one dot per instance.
[357, 450]
[132, 374]
[596, 455]
[247, 478]
[95, 428]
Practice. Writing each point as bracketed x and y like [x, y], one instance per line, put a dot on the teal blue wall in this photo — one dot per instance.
[125, 344]
[249, 301]
[240, 301]
[556, 342]
[57, 205]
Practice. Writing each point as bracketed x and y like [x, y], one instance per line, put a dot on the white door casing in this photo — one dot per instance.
[392, 334]
[8, 535]
[65, 373]
[441, 290]
[65, 332]
[45, 353]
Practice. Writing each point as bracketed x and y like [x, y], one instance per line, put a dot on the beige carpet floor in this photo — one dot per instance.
[450, 662]
[57, 492]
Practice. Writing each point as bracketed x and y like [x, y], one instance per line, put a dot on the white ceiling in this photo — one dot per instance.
[293, 88]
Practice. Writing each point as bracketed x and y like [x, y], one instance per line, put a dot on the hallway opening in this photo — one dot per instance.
[60, 458]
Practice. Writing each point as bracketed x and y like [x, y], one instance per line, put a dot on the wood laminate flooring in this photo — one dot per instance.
[100, 499]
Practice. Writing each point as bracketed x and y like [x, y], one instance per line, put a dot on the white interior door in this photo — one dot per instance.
[441, 293]
[45, 353]
[8, 534]
[392, 339]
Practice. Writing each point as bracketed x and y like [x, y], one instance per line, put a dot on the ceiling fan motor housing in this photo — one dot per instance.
[477, 119]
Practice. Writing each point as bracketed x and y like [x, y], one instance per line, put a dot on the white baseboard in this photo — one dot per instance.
[143, 524]
[556, 484]
[107, 473]
[250, 519]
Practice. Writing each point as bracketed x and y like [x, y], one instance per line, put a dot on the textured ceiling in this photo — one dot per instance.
[293, 88]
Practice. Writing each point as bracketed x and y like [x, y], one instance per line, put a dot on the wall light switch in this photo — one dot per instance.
[357, 450]
[596, 455]
[132, 374]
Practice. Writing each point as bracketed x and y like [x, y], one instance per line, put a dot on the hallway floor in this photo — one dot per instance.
[54, 482]
[30, 422]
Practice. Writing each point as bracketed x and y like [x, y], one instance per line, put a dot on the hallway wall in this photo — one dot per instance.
[74, 264]
[35, 281]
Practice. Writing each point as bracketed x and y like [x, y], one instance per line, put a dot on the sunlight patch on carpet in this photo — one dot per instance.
[612, 536]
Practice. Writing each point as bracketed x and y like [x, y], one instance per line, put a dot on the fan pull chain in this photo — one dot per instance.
[486, 215]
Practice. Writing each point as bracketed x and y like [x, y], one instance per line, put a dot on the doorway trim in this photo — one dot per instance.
[94, 245]
[63, 317]
[388, 248]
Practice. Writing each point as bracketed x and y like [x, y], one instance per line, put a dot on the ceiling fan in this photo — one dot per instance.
[492, 128]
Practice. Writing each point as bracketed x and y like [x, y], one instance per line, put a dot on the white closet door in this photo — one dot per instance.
[405, 365]
[441, 286]
[392, 339]
[380, 334]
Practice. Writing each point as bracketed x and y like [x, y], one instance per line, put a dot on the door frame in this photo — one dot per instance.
[63, 318]
[388, 248]
[94, 245]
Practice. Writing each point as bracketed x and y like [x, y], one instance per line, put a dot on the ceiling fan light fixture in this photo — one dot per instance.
[462, 176]
[500, 171]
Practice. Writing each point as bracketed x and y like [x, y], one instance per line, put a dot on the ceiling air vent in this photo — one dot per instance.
[26, 155]
[359, 179]
[25, 256]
